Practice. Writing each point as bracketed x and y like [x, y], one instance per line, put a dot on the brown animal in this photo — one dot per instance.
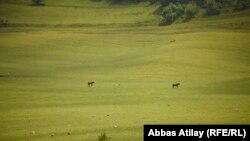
[176, 85]
[91, 83]
[172, 41]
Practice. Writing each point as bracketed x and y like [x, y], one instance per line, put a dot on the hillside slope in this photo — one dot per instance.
[86, 13]
[48, 54]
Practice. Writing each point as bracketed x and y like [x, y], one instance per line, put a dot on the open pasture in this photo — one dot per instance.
[44, 72]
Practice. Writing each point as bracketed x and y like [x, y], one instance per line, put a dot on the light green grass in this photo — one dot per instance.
[47, 69]
[83, 14]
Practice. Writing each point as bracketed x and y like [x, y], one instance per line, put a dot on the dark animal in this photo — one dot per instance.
[91, 83]
[172, 41]
[176, 85]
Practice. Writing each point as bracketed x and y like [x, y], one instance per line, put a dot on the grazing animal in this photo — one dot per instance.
[176, 85]
[172, 41]
[69, 132]
[91, 83]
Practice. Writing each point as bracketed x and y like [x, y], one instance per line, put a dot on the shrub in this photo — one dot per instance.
[103, 137]
[200, 2]
[166, 2]
[96, 0]
[152, 1]
[212, 7]
[124, 1]
[38, 2]
[241, 4]
[172, 12]
[3, 22]
[169, 18]
[190, 11]
[179, 9]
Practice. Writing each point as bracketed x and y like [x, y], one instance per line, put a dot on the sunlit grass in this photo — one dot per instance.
[45, 70]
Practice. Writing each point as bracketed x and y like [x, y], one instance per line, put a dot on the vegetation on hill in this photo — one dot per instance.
[3, 22]
[165, 12]
[187, 9]
[123, 1]
[183, 10]
[37, 2]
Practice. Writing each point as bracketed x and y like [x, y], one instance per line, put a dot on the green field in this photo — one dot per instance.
[48, 54]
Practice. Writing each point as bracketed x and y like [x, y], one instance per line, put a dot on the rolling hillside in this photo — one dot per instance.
[49, 53]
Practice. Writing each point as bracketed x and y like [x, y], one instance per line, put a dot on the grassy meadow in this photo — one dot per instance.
[48, 54]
